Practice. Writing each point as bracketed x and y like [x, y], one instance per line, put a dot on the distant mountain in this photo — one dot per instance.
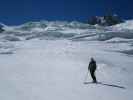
[107, 20]
[68, 30]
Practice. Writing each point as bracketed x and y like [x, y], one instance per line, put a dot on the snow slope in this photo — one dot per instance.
[56, 69]
[51, 64]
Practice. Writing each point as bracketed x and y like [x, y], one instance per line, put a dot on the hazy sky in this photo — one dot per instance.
[20, 11]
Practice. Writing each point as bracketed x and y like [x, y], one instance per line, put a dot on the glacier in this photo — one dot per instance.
[62, 29]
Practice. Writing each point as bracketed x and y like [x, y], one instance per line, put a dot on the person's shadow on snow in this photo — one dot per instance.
[100, 83]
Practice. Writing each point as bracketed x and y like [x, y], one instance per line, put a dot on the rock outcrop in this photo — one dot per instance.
[1, 28]
[107, 20]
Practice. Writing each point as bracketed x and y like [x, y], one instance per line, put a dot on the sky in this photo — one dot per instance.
[14, 12]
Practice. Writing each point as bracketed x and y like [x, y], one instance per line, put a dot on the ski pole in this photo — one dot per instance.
[86, 77]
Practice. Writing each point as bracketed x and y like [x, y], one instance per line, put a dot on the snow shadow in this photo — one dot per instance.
[6, 53]
[129, 52]
[106, 84]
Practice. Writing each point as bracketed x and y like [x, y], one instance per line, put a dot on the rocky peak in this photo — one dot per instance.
[107, 20]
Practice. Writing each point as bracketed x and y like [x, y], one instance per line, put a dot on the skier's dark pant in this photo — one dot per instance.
[92, 72]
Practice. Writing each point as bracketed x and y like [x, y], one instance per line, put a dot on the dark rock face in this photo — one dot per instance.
[107, 20]
[1, 28]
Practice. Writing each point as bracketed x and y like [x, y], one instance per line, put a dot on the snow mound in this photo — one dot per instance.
[127, 25]
[6, 48]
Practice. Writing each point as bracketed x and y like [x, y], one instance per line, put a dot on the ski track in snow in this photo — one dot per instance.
[56, 70]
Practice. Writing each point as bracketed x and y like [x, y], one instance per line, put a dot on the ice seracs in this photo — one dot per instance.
[64, 29]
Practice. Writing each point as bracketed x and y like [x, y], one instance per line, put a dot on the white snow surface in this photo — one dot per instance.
[40, 65]
[127, 25]
[56, 69]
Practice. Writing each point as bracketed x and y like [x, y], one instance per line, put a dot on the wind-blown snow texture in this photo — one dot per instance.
[48, 61]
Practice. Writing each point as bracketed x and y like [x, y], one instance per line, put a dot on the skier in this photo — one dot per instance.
[92, 68]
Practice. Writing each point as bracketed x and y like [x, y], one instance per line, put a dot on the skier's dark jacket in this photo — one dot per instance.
[92, 65]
